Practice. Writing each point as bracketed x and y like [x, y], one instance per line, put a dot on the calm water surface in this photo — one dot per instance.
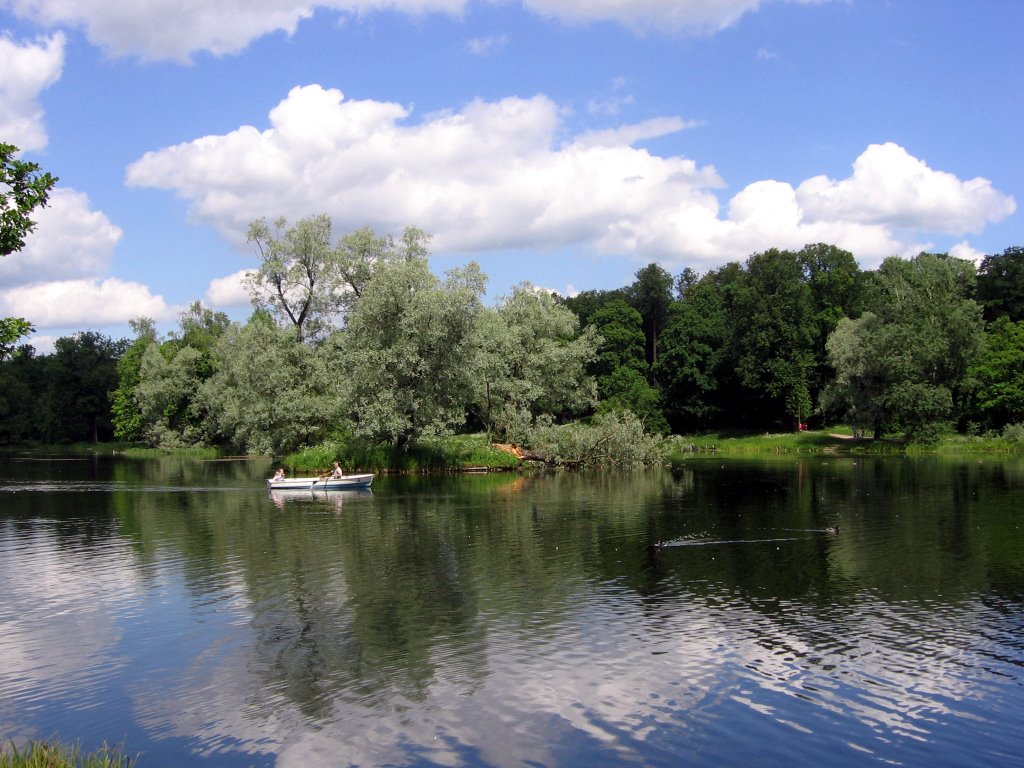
[704, 618]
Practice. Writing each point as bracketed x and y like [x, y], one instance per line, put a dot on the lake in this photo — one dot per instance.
[705, 617]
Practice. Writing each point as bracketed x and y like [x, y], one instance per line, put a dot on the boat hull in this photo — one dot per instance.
[321, 484]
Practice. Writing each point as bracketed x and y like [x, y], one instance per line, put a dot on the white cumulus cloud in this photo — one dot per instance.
[97, 303]
[26, 69]
[178, 29]
[229, 291]
[692, 16]
[500, 175]
[71, 240]
[488, 176]
[890, 186]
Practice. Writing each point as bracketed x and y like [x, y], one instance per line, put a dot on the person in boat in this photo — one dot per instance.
[336, 472]
[279, 475]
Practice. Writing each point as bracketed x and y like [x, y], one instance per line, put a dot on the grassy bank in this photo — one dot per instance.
[836, 440]
[38, 754]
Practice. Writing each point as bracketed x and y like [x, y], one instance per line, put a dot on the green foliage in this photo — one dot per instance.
[651, 295]
[531, 360]
[836, 285]
[128, 421]
[11, 330]
[437, 454]
[904, 365]
[692, 368]
[359, 255]
[23, 188]
[1001, 285]
[622, 338]
[626, 390]
[79, 376]
[613, 439]
[774, 334]
[270, 394]
[405, 350]
[999, 373]
[40, 754]
[586, 303]
[1014, 433]
[297, 281]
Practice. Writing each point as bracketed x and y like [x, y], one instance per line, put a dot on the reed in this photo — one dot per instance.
[43, 754]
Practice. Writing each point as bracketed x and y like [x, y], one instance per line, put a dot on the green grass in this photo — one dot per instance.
[39, 754]
[832, 440]
[138, 452]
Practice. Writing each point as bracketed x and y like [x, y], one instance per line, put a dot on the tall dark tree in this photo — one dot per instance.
[836, 284]
[693, 369]
[774, 334]
[586, 303]
[651, 295]
[1001, 285]
[80, 377]
[623, 344]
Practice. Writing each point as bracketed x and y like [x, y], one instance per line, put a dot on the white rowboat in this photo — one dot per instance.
[321, 483]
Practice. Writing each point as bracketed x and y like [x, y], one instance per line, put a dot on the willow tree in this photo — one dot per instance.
[531, 364]
[268, 394]
[306, 282]
[405, 350]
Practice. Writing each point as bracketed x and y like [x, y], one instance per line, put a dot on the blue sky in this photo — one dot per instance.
[567, 143]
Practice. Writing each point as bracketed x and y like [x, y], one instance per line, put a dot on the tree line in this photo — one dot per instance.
[916, 347]
[357, 338]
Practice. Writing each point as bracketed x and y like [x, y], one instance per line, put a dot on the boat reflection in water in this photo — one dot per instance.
[317, 497]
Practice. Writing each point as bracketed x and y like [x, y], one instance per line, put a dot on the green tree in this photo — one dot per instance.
[910, 358]
[1001, 285]
[530, 364]
[999, 372]
[11, 330]
[79, 379]
[128, 421]
[268, 394]
[405, 349]
[622, 338]
[836, 284]
[360, 253]
[586, 303]
[23, 188]
[157, 399]
[21, 382]
[696, 370]
[297, 282]
[773, 335]
[651, 295]
[857, 352]
[620, 367]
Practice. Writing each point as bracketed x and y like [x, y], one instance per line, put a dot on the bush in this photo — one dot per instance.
[614, 439]
[1014, 433]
